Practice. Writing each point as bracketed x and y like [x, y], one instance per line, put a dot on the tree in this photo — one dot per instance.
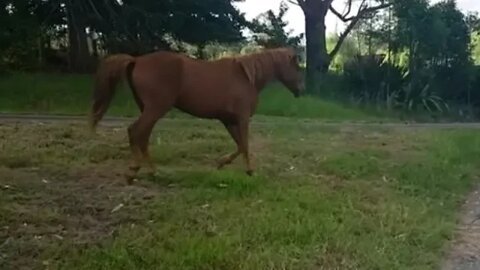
[202, 22]
[146, 23]
[437, 39]
[454, 57]
[475, 43]
[19, 33]
[269, 30]
[76, 16]
[315, 12]
[349, 50]
[128, 26]
[434, 42]
[473, 21]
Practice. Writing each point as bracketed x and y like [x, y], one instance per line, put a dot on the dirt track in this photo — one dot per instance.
[114, 121]
[465, 253]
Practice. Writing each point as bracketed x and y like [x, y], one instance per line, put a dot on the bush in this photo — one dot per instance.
[474, 94]
[370, 79]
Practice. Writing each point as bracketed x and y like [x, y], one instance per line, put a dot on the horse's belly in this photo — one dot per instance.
[204, 105]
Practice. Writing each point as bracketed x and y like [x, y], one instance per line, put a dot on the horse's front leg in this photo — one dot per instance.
[227, 159]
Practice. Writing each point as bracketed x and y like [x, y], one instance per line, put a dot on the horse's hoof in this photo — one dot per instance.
[131, 178]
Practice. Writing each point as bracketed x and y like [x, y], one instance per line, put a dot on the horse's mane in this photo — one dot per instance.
[260, 66]
[269, 55]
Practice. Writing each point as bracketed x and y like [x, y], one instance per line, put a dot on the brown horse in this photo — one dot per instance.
[225, 89]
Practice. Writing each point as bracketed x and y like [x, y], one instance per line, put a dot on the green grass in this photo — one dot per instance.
[56, 94]
[277, 101]
[70, 94]
[322, 197]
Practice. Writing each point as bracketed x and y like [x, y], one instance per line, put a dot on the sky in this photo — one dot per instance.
[295, 18]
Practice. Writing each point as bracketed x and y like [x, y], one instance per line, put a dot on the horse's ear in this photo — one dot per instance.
[248, 66]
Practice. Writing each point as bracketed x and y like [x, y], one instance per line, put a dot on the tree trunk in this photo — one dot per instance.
[79, 55]
[318, 59]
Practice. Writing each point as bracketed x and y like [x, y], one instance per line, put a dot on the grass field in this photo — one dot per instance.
[71, 94]
[322, 198]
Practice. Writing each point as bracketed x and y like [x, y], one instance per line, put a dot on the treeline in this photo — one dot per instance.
[394, 54]
[415, 56]
[71, 34]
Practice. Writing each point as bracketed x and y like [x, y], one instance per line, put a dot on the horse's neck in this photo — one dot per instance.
[267, 73]
[262, 82]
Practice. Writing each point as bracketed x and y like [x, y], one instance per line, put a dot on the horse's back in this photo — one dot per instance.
[193, 73]
[158, 70]
[199, 87]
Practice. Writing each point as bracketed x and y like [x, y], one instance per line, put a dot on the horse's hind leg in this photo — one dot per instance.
[139, 135]
[234, 132]
[136, 158]
[137, 99]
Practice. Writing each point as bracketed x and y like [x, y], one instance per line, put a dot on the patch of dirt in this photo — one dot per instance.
[79, 206]
[61, 187]
[465, 248]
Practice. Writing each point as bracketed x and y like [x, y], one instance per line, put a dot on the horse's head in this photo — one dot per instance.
[288, 70]
[280, 64]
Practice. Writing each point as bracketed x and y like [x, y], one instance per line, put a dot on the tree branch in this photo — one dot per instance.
[349, 9]
[366, 10]
[342, 17]
[363, 10]
[362, 5]
[300, 3]
[293, 2]
[343, 36]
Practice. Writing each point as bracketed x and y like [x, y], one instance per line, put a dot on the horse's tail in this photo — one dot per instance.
[110, 71]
